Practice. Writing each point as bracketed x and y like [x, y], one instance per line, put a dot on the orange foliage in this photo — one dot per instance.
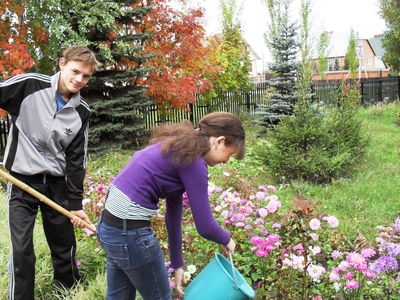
[184, 60]
[14, 33]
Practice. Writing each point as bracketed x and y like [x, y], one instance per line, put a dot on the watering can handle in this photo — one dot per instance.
[233, 269]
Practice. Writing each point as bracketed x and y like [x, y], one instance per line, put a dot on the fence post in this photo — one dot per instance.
[248, 102]
[191, 117]
[362, 90]
[380, 90]
[398, 87]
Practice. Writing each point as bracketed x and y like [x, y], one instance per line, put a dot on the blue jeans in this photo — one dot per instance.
[135, 261]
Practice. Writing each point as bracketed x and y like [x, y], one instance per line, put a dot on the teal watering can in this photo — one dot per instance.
[219, 280]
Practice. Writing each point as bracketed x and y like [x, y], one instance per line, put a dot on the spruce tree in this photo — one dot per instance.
[283, 45]
[116, 97]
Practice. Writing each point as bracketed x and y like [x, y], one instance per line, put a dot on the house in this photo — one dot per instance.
[369, 54]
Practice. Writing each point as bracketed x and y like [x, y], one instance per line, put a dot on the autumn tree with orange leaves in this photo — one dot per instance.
[16, 36]
[184, 59]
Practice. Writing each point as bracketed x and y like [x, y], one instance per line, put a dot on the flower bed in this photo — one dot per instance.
[293, 252]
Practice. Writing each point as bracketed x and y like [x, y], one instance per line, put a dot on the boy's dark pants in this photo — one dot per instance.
[59, 232]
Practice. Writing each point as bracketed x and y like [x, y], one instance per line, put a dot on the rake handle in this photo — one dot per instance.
[43, 198]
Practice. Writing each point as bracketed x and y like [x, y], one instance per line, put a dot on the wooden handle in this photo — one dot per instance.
[43, 198]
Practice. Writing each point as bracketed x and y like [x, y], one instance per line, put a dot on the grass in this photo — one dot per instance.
[371, 196]
[368, 199]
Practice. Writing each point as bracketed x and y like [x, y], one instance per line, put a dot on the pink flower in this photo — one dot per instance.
[271, 188]
[263, 212]
[276, 225]
[368, 252]
[347, 275]
[240, 224]
[315, 224]
[237, 218]
[298, 247]
[261, 253]
[336, 254]
[352, 284]
[315, 250]
[96, 250]
[357, 261]
[314, 236]
[369, 274]
[78, 264]
[88, 232]
[260, 221]
[332, 221]
[273, 238]
[317, 298]
[273, 198]
[260, 195]
[334, 276]
[172, 284]
[343, 266]
[274, 206]
[256, 240]
[263, 188]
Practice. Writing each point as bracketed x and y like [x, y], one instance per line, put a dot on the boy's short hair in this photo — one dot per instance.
[83, 54]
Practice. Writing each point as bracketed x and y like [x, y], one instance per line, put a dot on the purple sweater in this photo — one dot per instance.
[150, 176]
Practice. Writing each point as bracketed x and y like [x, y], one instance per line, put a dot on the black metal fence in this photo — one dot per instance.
[236, 102]
[372, 90]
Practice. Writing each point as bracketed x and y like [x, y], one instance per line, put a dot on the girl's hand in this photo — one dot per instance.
[230, 247]
[178, 281]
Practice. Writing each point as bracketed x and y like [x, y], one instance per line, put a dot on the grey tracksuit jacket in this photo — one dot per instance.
[41, 140]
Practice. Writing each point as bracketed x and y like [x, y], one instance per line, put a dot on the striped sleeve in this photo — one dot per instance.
[15, 89]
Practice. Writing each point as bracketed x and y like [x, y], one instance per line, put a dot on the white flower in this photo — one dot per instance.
[315, 249]
[315, 271]
[85, 201]
[187, 276]
[191, 269]
[315, 224]
[218, 208]
[337, 286]
[226, 174]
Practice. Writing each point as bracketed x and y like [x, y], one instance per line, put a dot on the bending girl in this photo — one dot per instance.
[175, 162]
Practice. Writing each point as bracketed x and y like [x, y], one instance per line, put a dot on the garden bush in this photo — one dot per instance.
[319, 142]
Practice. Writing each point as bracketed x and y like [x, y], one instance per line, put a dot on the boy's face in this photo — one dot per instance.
[74, 76]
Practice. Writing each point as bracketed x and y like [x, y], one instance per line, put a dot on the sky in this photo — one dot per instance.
[337, 16]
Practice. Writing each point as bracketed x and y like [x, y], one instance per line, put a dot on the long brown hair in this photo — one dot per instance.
[183, 142]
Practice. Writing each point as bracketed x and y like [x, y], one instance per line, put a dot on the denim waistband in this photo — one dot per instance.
[114, 221]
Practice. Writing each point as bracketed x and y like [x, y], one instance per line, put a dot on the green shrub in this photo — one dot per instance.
[319, 142]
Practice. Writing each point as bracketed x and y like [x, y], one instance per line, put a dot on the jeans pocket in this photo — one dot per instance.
[114, 244]
[117, 254]
[150, 247]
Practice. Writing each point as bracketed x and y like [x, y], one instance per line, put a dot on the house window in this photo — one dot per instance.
[330, 65]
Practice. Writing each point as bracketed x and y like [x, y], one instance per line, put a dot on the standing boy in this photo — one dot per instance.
[46, 149]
